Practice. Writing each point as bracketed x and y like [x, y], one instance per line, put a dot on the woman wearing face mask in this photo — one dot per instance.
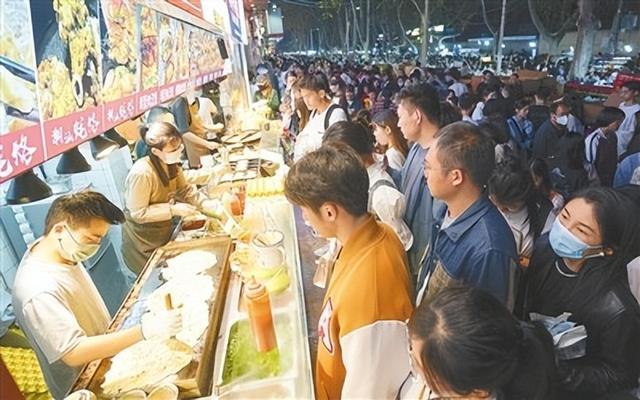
[520, 128]
[527, 212]
[580, 268]
[155, 192]
[467, 345]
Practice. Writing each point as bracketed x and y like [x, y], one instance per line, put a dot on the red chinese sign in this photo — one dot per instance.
[193, 7]
[20, 151]
[64, 133]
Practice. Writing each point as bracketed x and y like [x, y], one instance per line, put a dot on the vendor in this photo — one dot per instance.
[155, 192]
[57, 304]
[267, 93]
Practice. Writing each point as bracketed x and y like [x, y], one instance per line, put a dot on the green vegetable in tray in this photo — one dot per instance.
[244, 361]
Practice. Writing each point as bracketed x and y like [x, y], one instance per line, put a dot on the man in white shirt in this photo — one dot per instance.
[57, 304]
[453, 78]
[629, 92]
[314, 90]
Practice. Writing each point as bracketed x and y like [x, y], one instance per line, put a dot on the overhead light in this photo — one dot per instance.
[358, 8]
[503, 46]
[628, 48]
[102, 147]
[532, 44]
[27, 188]
[72, 162]
[113, 135]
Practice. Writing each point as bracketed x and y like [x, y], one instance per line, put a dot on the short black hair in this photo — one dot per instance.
[79, 208]
[555, 105]
[316, 82]
[353, 134]
[522, 103]
[425, 98]
[510, 183]
[632, 85]
[466, 102]
[330, 174]
[461, 145]
[608, 116]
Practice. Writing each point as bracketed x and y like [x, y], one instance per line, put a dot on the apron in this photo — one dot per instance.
[195, 150]
[140, 240]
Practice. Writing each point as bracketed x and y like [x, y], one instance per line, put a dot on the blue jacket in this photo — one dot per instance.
[477, 250]
[419, 204]
[625, 170]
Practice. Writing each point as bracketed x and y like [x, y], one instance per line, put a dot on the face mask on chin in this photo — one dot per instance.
[72, 250]
[174, 157]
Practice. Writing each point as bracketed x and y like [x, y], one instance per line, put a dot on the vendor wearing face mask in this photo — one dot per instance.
[553, 141]
[57, 304]
[580, 268]
[155, 192]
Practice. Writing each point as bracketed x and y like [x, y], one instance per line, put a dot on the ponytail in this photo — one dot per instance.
[535, 374]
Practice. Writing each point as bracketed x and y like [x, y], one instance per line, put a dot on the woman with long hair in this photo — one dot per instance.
[580, 268]
[465, 344]
[390, 138]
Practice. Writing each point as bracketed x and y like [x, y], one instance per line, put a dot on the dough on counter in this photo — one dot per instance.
[190, 262]
[195, 319]
[184, 291]
[144, 364]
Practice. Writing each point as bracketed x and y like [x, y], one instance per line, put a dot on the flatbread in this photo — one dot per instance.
[195, 320]
[190, 262]
[184, 291]
[144, 364]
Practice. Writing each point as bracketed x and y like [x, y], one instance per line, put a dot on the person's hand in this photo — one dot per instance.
[163, 325]
[213, 145]
[182, 210]
[212, 208]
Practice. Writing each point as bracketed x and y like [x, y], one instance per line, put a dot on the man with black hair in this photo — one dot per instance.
[471, 243]
[553, 143]
[419, 116]
[58, 306]
[361, 333]
[629, 92]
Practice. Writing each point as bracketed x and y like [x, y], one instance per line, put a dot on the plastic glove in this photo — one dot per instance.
[183, 210]
[212, 208]
[163, 325]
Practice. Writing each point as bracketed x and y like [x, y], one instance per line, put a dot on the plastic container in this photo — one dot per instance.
[261, 320]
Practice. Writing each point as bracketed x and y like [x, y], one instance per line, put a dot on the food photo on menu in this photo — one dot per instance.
[119, 50]
[67, 45]
[18, 102]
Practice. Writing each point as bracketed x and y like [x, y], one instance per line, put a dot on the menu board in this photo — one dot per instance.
[71, 69]
[119, 61]
[20, 136]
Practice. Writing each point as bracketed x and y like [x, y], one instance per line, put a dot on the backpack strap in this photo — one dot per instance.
[378, 184]
[327, 116]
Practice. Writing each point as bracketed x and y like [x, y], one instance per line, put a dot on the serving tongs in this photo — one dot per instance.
[17, 69]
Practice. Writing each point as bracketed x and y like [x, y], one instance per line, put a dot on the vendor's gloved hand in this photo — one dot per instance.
[163, 325]
[183, 210]
[213, 145]
[212, 208]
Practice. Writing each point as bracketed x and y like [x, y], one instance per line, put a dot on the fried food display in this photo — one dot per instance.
[55, 89]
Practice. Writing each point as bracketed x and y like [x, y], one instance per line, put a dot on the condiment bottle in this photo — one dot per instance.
[259, 308]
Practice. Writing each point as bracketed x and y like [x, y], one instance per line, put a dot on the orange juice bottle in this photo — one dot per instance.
[259, 308]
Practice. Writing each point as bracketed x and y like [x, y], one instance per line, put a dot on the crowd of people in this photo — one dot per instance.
[471, 214]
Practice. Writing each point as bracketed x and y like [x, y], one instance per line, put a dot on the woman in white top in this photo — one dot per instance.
[314, 89]
[385, 201]
[389, 136]
[466, 344]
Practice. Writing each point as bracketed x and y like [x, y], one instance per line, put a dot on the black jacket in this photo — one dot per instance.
[603, 303]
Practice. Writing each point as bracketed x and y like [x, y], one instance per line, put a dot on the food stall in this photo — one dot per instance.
[108, 64]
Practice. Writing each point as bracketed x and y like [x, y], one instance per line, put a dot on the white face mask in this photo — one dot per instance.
[175, 157]
[563, 120]
[70, 249]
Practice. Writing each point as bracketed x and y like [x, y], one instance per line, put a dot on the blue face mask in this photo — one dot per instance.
[566, 245]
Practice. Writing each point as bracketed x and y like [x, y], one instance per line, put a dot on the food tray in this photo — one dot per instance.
[195, 380]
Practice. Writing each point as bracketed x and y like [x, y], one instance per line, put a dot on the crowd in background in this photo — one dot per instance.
[508, 204]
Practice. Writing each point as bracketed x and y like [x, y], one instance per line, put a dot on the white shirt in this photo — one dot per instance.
[57, 305]
[388, 204]
[627, 127]
[206, 110]
[633, 272]
[521, 228]
[478, 112]
[310, 138]
[395, 158]
[459, 89]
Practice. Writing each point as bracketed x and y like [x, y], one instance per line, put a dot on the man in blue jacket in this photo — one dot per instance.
[471, 243]
[419, 120]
